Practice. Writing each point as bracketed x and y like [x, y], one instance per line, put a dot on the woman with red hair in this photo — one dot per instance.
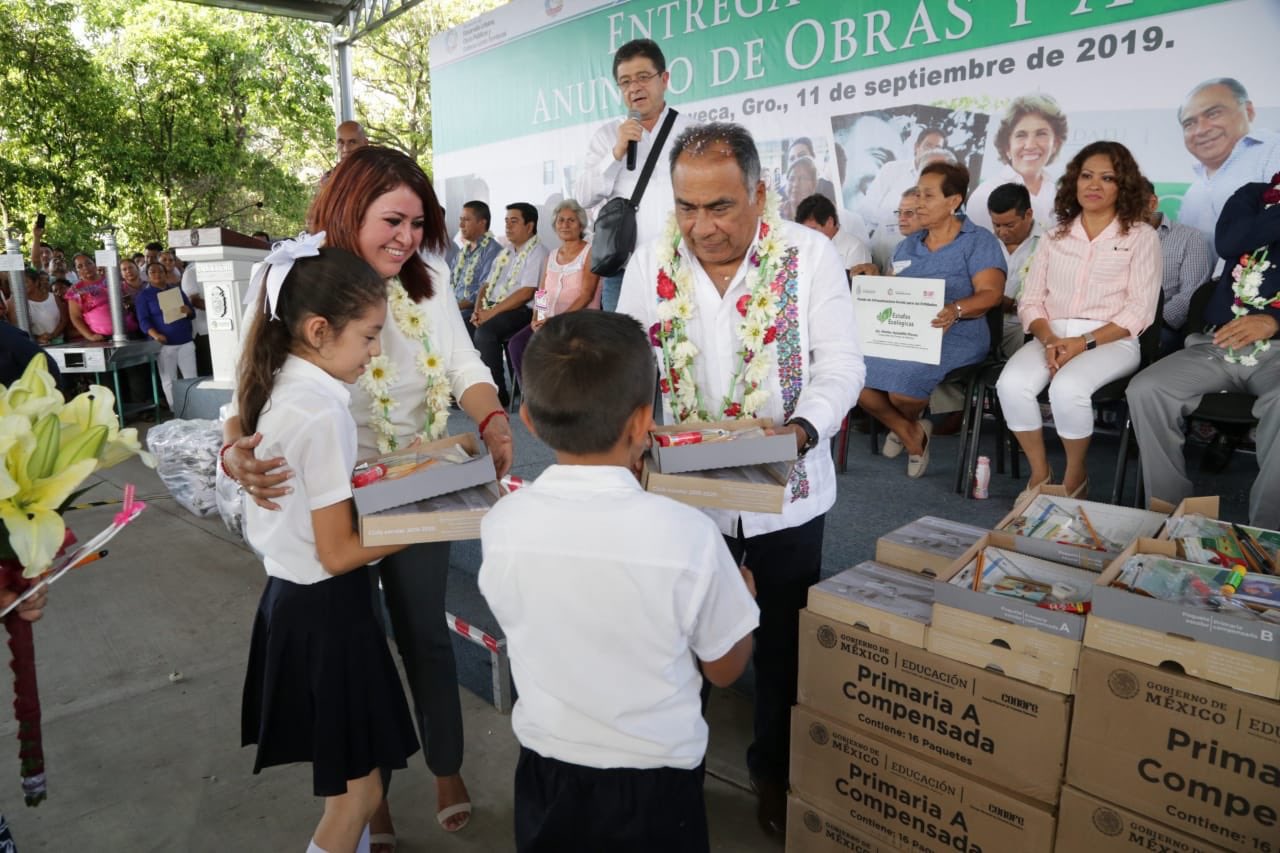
[379, 204]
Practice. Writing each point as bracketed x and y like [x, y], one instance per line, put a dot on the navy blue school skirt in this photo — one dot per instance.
[322, 686]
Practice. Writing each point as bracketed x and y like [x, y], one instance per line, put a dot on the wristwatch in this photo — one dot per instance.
[959, 310]
[1090, 342]
[810, 434]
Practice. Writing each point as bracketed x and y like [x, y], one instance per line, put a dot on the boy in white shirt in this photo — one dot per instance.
[607, 594]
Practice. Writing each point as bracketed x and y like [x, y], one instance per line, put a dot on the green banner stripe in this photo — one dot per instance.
[561, 76]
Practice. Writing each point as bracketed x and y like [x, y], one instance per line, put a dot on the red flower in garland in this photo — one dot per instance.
[770, 334]
[666, 287]
[764, 230]
[665, 386]
[733, 410]
[1271, 196]
[742, 303]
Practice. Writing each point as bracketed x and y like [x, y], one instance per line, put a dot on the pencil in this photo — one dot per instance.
[1245, 553]
[977, 574]
[1089, 524]
[1259, 553]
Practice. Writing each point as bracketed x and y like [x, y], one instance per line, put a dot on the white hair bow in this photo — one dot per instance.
[275, 267]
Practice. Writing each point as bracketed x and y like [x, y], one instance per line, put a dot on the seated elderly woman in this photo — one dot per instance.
[1091, 290]
[568, 284]
[950, 247]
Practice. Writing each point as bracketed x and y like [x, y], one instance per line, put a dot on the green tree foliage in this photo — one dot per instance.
[158, 115]
[393, 88]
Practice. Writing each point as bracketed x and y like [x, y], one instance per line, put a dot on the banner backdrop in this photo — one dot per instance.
[866, 90]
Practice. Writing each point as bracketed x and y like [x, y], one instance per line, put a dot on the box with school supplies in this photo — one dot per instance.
[750, 488]
[1201, 538]
[927, 545]
[435, 468]
[891, 602]
[1220, 624]
[1050, 525]
[895, 797]
[965, 718]
[1088, 823]
[1201, 758]
[452, 517]
[1021, 615]
[814, 830]
[723, 444]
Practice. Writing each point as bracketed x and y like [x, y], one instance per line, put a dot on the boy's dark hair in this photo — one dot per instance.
[154, 246]
[1008, 197]
[337, 285]
[155, 264]
[585, 373]
[527, 212]
[647, 48]
[818, 208]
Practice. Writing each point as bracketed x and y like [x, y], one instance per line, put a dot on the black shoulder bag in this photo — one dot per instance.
[615, 229]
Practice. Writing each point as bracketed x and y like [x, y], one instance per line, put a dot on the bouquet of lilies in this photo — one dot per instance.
[48, 448]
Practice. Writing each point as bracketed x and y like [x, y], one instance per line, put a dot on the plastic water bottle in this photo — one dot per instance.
[982, 478]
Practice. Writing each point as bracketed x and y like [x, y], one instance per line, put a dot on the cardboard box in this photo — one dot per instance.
[722, 454]
[1086, 823]
[928, 544]
[1127, 523]
[454, 517]
[812, 830]
[1220, 542]
[751, 488]
[891, 602]
[1202, 758]
[1007, 634]
[896, 798]
[438, 479]
[1219, 646]
[981, 722]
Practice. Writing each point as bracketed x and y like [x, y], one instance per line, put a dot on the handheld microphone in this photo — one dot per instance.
[632, 145]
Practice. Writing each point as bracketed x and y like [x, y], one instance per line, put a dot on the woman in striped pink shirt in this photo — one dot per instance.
[1091, 290]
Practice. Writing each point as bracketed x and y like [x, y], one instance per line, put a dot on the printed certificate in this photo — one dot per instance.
[893, 317]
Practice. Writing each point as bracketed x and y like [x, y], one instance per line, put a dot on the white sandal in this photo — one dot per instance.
[442, 816]
[383, 839]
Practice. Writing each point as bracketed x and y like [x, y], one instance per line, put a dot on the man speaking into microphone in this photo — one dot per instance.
[619, 148]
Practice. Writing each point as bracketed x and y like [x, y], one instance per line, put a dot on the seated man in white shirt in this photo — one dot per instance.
[1189, 259]
[817, 212]
[755, 315]
[502, 304]
[607, 594]
[1014, 222]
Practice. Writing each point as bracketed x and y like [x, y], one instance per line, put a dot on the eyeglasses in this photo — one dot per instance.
[624, 83]
[904, 213]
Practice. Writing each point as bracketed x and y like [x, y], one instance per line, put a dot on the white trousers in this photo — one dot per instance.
[1071, 390]
[171, 359]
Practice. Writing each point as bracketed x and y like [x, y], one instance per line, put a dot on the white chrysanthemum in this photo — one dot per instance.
[752, 335]
[757, 370]
[666, 310]
[1249, 360]
[770, 247]
[439, 428]
[413, 324]
[383, 402]
[683, 307]
[685, 350]
[753, 401]
[380, 373]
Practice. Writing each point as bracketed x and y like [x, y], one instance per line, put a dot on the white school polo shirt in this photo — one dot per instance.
[306, 421]
[605, 594]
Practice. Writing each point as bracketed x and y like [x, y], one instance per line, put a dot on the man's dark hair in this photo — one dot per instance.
[647, 48]
[818, 208]
[735, 137]
[585, 373]
[481, 210]
[527, 211]
[154, 246]
[261, 235]
[1008, 197]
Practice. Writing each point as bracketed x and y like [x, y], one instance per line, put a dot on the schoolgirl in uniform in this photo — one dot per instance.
[321, 685]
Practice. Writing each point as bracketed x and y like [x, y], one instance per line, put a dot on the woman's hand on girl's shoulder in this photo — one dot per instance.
[261, 479]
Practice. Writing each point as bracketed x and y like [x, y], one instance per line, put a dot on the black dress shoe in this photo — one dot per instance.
[771, 806]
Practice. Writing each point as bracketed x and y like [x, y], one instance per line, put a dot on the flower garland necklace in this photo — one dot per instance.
[501, 261]
[745, 395]
[412, 320]
[468, 265]
[1248, 284]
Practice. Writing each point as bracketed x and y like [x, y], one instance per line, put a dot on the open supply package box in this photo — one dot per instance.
[1019, 630]
[1201, 537]
[439, 503]
[1052, 526]
[1235, 643]
[747, 474]
[884, 600]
